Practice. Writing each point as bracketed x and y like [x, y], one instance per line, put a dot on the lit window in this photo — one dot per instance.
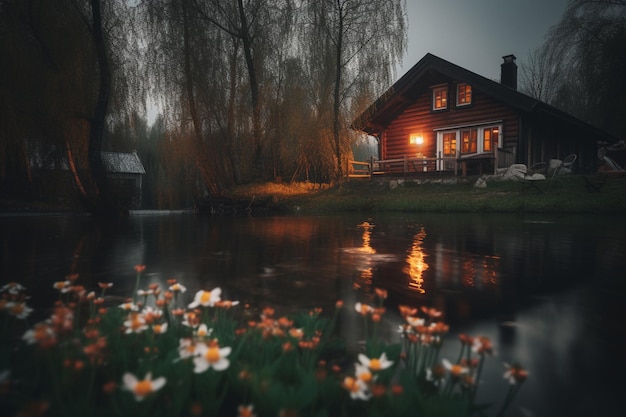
[449, 144]
[463, 94]
[440, 98]
[469, 140]
[490, 135]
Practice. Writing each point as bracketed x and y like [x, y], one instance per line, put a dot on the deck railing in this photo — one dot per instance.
[418, 164]
[401, 166]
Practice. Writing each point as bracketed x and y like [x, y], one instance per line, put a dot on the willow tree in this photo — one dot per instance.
[589, 45]
[63, 74]
[353, 47]
[541, 76]
[46, 84]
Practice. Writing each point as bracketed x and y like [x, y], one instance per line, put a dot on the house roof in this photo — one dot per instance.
[429, 69]
[122, 163]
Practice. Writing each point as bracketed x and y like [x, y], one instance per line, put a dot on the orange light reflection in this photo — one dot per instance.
[416, 261]
[367, 238]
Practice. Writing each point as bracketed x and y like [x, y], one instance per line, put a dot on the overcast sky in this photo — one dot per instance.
[476, 34]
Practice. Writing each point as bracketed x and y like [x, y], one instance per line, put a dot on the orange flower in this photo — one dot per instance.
[406, 311]
[466, 340]
[378, 390]
[482, 345]
[456, 370]
[397, 389]
[381, 293]
[339, 304]
[140, 268]
[515, 374]
[246, 411]
[109, 387]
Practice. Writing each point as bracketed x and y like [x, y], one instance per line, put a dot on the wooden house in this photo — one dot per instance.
[442, 117]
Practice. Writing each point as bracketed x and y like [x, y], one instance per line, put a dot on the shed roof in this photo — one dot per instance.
[122, 163]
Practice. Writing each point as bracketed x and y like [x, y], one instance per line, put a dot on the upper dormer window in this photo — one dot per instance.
[463, 94]
[440, 98]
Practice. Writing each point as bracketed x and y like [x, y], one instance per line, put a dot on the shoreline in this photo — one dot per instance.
[570, 195]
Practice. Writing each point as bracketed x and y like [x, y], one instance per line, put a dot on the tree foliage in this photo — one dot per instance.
[247, 89]
[61, 75]
[581, 65]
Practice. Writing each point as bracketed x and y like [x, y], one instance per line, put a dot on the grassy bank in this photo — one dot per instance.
[571, 195]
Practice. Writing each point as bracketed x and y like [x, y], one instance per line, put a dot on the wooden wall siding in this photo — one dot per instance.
[418, 118]
[547, 139]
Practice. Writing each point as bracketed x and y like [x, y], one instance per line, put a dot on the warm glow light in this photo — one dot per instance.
[416, 261]
[367, 237]
[416, 139]
[480, 271]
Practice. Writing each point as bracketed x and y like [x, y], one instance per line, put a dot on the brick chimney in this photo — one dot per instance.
[508, 72]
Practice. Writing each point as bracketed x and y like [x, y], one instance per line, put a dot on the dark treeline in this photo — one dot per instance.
[247, 90]
[580, 67]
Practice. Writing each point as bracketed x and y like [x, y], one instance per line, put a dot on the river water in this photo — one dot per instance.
[547, 290]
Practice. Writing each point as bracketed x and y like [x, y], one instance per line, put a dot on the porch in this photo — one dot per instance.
[456, 165]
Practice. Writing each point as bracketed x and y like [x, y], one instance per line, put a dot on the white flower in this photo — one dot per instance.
[135, 323]
[455, 370]
[178, 288]
[206, 298]
[63, 286]
[363, 373]
[375, 364]
[415, 321]
[13, 288]
[515, 374]
[159, 328]
[203, 331]
[18, 309]
[41, 332]
[186, 348]
[357, 388]
[129, 307]
[142, 388]
[211, 356]
[145, 293]
[363, 309]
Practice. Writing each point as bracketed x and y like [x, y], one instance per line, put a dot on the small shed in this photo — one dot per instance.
[125, 172]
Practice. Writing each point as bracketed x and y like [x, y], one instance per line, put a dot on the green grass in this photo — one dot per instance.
[569, 195]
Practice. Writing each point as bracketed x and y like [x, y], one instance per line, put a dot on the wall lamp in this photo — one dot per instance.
[416, 139]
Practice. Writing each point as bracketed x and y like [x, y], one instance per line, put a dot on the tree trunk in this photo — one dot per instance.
[200, 155]
[337, 98]
[101, 199]
[254, 87]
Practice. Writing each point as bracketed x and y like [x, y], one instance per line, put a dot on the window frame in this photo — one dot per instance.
[453, 138]
[444, 99]
[471, 145]
[456, 133]
[468, 95]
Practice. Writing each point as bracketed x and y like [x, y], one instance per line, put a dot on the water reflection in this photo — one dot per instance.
[416, 261]
[548, 292]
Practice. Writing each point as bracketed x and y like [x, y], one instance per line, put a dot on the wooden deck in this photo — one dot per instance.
[427, 166]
